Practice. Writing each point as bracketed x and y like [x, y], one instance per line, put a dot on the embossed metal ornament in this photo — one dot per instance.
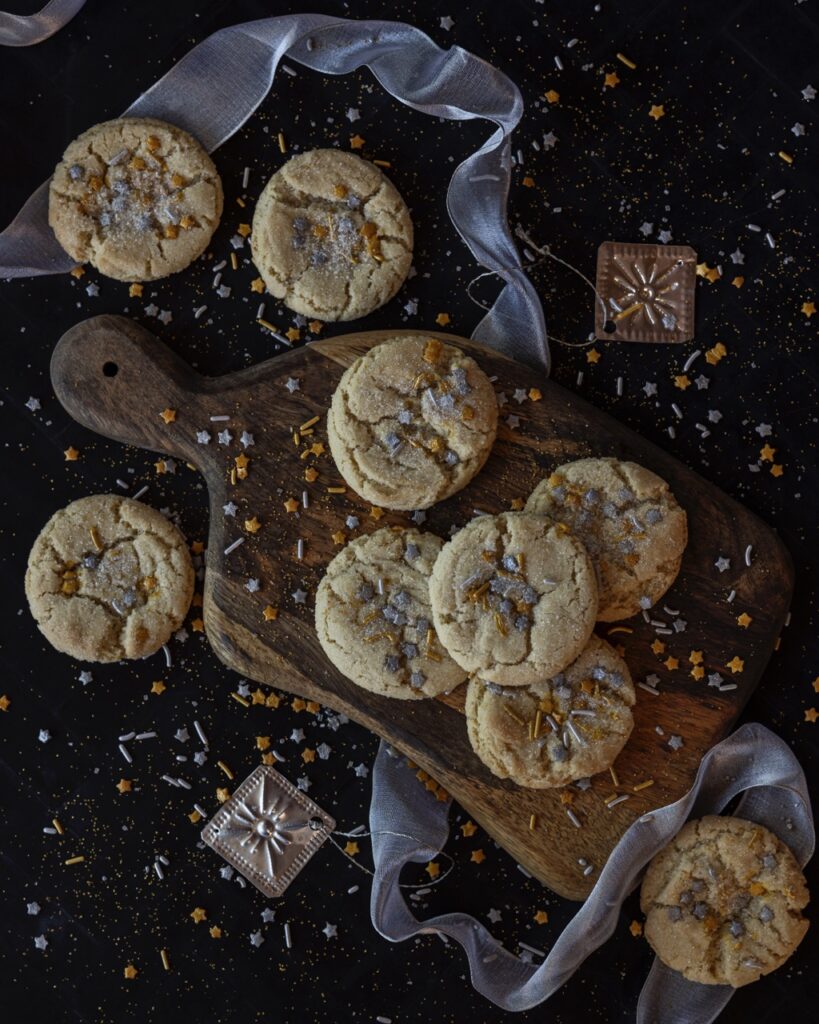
[647, 291]
[268, 830]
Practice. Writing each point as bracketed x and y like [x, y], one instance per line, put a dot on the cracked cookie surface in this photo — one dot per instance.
[557, 730]
[136, 197]
[411, 422]
[109, 578]
[332, 237]
[723, 902]
[628, 520]
[373, 617]
[514, 598]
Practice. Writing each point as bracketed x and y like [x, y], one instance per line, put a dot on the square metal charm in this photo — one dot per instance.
[648, 292]
[268, 830]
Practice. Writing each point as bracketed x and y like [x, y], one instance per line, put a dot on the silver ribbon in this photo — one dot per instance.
[753, 761]
[215, 88]
[26, 30]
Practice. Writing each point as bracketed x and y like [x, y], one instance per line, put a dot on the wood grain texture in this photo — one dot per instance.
[115, 378]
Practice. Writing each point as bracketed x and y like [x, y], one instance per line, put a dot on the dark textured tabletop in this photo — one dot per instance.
[686, 122]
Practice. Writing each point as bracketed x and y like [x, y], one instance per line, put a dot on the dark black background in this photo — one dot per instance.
[730, 77]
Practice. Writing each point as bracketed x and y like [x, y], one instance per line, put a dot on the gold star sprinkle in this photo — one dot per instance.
[658, 647]
[767, 453]
[160, 467]
[541, 917]
[442, 319]
[469, 829]
[308, 755]
[157, 686]
[738, 281]
[552, 96]
[744, 620]
[356, 142]
[168, 415]
[376, 512]
[702, 269]
[222, 794]
[270, 613]
[262, 742]
[695, 657]
[273, 700]
[315, 326]
[215, 932]
[682, 382]
[592, 356]
[351, 848]
[199, 914]
[339, 537]
[528, 182]
[293, 334]
[311, 475]
[814, 684]
[611, 81]
[198, 625]
[477, 857]
[811, 714]
[124, 785]
[516, 504]
[77, 272]
[130, 972]
[776, 469]
[656, 111]
[257, 697]
[242, 461]
[635, 928]
[194, 817]
[432, 869]
[5, 703]
[317, 448]
[135, 291]
[671, 663]
[736, 664]
[698, 672]
[253, 525]
[244, 230]
[71, 454]
[257, 285]
[808, 308]
[713, 274]
[535, 394]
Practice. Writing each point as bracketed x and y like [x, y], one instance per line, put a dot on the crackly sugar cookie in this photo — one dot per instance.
[514, 598]
[109, 578]
[332, 238]
[628, 520]
[373, 617]
[723, 902]
[556, 730]
[137, 198]
[411, 422]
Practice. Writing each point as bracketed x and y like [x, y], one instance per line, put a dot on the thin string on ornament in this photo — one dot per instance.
[546, 253]
[316, 824]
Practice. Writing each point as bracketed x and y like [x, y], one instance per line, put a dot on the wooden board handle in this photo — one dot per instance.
[103, 369]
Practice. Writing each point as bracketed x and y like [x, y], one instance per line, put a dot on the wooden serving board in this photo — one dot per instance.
[115, 378]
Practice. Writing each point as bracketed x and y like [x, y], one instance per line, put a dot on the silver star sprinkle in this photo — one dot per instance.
[224, 436]
[646, 228]
[202, 437]
[299, 596]
[41, 942]
[33, 908]
[85, 677]
[446, 24]
[246, 440]
[293, 385]
[722, 563]
[230, 509]
[33, 404]
[252, 585]
[44, 735]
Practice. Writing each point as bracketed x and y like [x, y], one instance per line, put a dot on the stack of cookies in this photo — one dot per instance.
[510, 602]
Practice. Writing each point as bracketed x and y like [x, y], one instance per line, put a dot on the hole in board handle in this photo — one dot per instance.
[609, 327]
[110, 369]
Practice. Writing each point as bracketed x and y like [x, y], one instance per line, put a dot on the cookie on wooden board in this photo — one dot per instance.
[628, 520]
[411, 422]
[109, 578]
[723, 902]
[373, 617]
[558, 730]
[137, 198]
[332, 237]
[514, 598]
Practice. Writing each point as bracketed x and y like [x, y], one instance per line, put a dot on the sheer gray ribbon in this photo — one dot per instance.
[26, 30]
[215, 88]
[753, 761]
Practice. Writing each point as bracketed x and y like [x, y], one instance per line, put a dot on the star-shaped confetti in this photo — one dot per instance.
[124, 785]
[168, 415]
[157, 686]
[744, 620]
[657, 111]
[198, 914]
[736, 664]
[811, 715]
[611, 80]
[808, 308]
[269, 613]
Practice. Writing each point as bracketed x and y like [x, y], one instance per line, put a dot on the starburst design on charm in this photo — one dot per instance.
[648, 290]
[264, 824]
